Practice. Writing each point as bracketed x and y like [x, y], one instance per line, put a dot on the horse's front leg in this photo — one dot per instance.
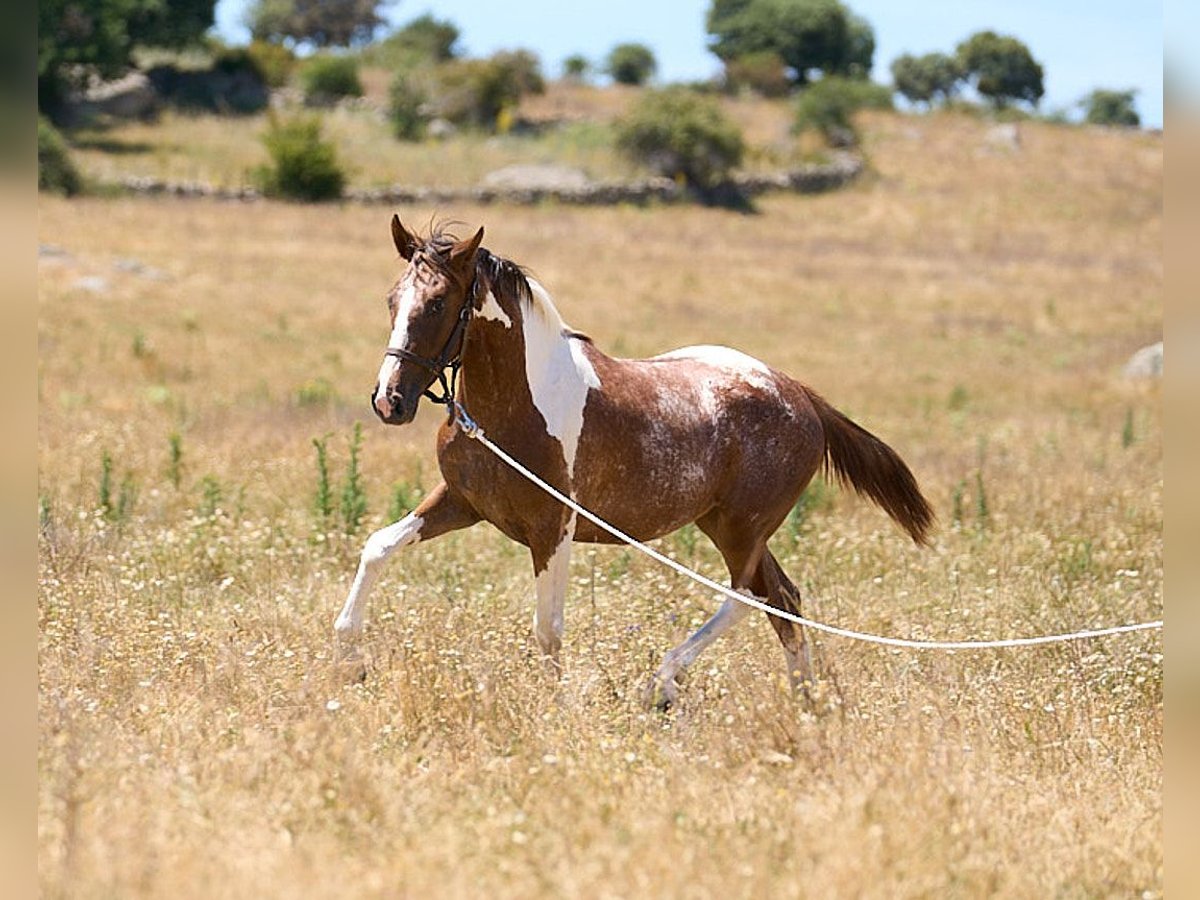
[551, 565]
[442, 511]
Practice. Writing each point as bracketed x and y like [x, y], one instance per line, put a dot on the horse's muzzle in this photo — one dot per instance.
[393, 409]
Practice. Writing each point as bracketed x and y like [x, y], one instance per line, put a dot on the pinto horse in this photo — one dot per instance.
[701, 434]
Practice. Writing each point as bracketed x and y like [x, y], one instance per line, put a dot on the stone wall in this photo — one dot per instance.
[810, 179]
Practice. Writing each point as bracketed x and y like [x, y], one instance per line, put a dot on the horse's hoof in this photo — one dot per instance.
[660, 696]
[351, 667]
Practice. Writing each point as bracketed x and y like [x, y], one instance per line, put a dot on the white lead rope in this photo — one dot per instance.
[472, 430]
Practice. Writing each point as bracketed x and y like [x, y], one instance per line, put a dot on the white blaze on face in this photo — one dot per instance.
[399, 336]
[558, 371]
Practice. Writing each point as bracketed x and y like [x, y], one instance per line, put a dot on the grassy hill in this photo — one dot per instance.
[970, 304]
[569, 124]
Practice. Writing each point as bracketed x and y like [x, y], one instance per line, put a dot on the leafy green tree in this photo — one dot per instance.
[427, 39]
[577, 68]
[478, 92]
[763, 72]
[681, 134]
[828, 106]
[631, 63]
[1002, 68]
[1106, 107]
[323, 23]
[807, 35]
[924, 79]
[77, 38]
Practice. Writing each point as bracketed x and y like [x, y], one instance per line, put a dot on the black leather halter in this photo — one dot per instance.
[450, 357]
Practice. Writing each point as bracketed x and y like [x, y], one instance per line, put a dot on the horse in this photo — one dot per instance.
[702, 434]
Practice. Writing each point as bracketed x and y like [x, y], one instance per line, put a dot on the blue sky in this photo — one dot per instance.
[1082, 44]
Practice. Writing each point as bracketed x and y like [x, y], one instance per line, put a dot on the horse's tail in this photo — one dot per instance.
[859, 459]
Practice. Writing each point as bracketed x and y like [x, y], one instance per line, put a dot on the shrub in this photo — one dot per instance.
[474, 92]
[425, 40]
[275, 62]
[1103, 107]
[329, 78]
[763, 72]
[829, 105]
[303, 165]
[576, 68]
[681, 134]
[923, 79]
[631, 63]
[406, 108]
[56, 171]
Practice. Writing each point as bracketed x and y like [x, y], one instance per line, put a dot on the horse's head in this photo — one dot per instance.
[429, 308]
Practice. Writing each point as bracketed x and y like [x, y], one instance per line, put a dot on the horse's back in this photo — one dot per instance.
[669, 438]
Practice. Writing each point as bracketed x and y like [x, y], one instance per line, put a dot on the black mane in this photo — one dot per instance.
[499, 274]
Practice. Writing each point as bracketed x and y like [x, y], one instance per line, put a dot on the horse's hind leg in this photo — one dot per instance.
[743, 557]
[442, 511]
[784, 595]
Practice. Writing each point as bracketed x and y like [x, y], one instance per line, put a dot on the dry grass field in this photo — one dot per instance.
[971, 306]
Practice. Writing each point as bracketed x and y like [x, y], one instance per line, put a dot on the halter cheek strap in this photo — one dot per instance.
[450, 357]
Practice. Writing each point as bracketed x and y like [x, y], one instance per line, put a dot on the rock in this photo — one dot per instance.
[1146, 363]
[440, 129]
[1005, 136]
[93, 284]
[533, 177]
[129, 97]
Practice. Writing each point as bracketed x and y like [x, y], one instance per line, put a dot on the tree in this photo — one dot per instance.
[77, 38]
[1105, 107]
[1001, 67]
[631, 63]
[577, 68]
[323, 23]
[807, 35]
[430, 39]
[923, 79]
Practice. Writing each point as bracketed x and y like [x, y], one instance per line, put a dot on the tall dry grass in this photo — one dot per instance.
[972, 307]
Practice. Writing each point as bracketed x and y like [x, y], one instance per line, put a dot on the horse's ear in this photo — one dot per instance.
[463, 253]
[405, 242]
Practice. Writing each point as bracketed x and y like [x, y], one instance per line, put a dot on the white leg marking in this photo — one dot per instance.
[730, 613]
[551, 587]
[378, 548]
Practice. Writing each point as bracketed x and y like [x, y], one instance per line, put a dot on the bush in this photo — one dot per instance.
[1103, 107]
[406, 108]
[763, 72]
[631, 63]
[828, 106]
[476, 92]
[56, 171]
[303, 165]
[1002, 68]
[923, 79]
[681, 134]
[326, 79]
[576, 68]
[275, 62]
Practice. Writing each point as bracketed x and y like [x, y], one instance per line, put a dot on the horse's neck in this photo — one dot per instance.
[527, 345]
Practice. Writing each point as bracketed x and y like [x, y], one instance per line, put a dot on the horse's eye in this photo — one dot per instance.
[437, 304]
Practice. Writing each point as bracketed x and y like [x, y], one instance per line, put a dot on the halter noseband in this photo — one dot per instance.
[448, 358]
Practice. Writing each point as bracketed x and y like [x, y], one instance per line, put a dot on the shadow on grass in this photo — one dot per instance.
[111, 145]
